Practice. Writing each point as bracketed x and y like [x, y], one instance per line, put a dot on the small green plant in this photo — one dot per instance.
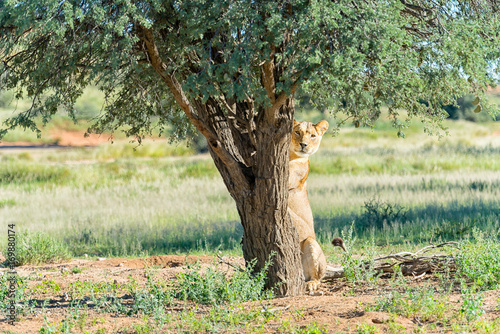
[47, 286]
[21, 295]
[364, 328]
[472, 304]
[395, 328]
[80, 289]
[73, 318]
[76, 270]
[479, 262]
[358, 269]
[487, 326]
[312, 328]
[36, 248]
[286, 326]
[47, 327]
[144, 328]
[299, 313]
[152, 299]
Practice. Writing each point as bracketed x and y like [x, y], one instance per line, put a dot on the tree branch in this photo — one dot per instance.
[153, 56]
[281, 99]
[268, 79]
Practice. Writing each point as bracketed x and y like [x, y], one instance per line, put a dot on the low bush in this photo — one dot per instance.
[212, 286]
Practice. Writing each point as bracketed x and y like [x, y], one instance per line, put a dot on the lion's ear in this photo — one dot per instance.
[295, 122]
[321, 127]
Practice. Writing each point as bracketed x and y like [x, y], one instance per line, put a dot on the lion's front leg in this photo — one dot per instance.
[313, 263]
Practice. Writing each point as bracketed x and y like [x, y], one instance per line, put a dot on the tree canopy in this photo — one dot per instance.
[360, 53]
[230, 69]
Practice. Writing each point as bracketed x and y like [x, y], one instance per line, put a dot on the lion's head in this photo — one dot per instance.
[306, 137]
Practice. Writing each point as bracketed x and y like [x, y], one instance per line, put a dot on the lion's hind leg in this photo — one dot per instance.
[313, 263]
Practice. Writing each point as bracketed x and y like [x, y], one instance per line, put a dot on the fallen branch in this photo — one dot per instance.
[410, 264]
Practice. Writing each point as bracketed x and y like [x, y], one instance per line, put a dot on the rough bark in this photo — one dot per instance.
[267, 225]
[263, 207]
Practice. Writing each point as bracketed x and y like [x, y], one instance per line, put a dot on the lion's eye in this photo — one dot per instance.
[297, 133]
[313, 136]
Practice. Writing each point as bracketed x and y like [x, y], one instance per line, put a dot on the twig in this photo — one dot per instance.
[221, 260]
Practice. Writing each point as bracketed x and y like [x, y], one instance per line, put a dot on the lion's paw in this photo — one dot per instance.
[312, 287]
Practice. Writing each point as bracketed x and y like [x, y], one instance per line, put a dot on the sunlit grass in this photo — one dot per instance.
[114, 200]
[125, 199]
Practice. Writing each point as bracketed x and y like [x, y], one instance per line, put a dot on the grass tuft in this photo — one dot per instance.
[30, 173]
[36, 248]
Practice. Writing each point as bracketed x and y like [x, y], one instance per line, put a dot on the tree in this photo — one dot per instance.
[230, 68]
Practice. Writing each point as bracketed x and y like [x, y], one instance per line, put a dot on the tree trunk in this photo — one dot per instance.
[263, 206]
[264, 215]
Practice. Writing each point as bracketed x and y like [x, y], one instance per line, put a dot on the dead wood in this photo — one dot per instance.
[410, 264]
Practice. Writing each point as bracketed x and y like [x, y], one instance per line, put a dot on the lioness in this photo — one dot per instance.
[306, 138]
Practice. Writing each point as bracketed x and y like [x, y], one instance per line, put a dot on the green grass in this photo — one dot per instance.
[479, 261]
[158, 199]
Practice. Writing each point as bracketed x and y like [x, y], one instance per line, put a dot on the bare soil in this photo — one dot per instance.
[339, 305]
[63, 138]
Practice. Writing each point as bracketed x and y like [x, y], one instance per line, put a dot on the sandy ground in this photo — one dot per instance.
[339, 305]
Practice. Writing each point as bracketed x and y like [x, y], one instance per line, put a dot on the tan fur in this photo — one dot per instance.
[306, 138]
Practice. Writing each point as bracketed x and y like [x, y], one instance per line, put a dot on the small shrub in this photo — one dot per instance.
[358, 269]
[152, 299]
[214, 287]
[472, 304]
[76, 270]
[21, 296]
[36, 248]
[377, 213]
